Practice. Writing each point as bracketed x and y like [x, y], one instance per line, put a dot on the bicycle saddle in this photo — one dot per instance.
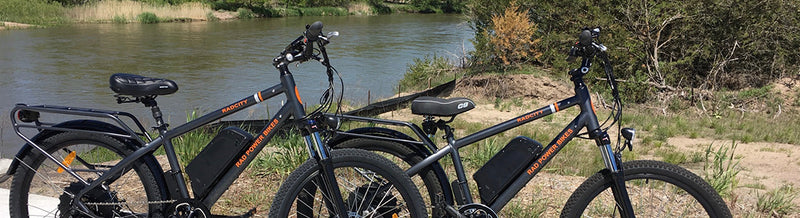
[432, 106]
[135, 85]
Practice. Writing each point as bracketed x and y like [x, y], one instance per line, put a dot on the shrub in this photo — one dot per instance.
[119, 19]
[244, 13]
[211, 17]
[511, 37]
[147, 17]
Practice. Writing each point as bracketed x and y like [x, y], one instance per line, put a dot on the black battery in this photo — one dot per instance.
[216, 158]
[505, 166]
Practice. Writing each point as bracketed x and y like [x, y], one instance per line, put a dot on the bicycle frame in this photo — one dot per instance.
[586, 118]
[292, 108]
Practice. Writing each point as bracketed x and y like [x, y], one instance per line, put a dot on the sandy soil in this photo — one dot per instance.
[12, 25]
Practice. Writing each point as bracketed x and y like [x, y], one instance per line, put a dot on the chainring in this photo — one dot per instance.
[477, 211]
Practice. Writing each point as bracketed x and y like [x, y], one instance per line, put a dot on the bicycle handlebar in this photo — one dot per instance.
[302, 48]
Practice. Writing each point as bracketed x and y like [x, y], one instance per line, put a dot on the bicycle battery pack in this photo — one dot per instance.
[505, 166]
[212, 162]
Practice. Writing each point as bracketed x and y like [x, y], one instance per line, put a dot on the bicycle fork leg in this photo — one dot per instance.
[329, 187]
[615, 174]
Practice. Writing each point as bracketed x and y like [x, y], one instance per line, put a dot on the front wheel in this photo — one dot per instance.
[371, 186]
[656, 189]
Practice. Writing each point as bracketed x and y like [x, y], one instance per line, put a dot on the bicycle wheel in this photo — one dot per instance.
[404, 157]
[41, 189]
[656, 189]
[371, 186]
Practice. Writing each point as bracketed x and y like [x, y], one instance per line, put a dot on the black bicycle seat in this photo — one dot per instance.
[432, 106]
[135, 85]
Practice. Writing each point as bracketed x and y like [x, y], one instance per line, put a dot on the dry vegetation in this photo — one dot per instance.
[111, 10]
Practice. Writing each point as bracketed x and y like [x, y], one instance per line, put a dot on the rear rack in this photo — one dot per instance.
[30, 114]
[113, 115]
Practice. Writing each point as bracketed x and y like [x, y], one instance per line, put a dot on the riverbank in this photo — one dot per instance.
[47, 13]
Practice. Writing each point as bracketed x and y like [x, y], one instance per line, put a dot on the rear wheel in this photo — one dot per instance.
[371, 186]
[656, 189]
[41, 189]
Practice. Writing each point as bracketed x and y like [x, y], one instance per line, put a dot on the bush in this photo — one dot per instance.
[211, 17]
[511, 37]
[119, 19]
[714, 45]
[147, 17]
[244, 13]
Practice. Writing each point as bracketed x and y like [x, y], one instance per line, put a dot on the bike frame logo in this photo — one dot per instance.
[256, 142]
[549, 153]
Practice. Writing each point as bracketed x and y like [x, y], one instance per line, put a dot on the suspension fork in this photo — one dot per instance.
[613, 163]
[320, 152]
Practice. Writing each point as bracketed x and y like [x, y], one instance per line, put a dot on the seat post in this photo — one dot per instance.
[157, 115]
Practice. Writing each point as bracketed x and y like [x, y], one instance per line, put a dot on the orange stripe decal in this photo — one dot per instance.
[593, 110]
[259, 97]
[556, 104]
[296, 93]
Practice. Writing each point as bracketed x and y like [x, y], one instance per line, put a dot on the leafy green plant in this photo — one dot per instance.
[211, 17]
[119, 19]
[721, 169]
[778, 202]
[245, 13]
[147, 17]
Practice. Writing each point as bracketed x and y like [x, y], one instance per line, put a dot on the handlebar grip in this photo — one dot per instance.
[313, 31]
[586, 38]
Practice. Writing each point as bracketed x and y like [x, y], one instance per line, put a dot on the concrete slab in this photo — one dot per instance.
[40, 206]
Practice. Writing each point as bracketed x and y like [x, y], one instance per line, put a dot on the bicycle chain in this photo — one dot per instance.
[124, 203]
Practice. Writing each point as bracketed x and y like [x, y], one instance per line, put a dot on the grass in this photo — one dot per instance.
[104, 11]
[37, 12]
[721, 169]
[778, 202]
[426, 72]
[290, 153]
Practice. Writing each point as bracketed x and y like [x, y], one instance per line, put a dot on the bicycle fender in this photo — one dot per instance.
[418, 148]
[92, 125]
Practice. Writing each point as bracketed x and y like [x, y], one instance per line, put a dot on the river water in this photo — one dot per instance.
[213, 63]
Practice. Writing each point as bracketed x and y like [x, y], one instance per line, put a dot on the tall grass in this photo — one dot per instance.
[721, 169]
[38, 12]
[778, 202]
[107, 10]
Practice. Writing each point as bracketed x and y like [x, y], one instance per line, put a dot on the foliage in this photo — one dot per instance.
[323, 11]
[39, 12]
[119, 19]
[379, 7]
[510, 37]
[439, 6]
[211, 17]
[147, 17]
[244, 13]
[778, 202]
[427, 72]
[713, 44]
[722, 169]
